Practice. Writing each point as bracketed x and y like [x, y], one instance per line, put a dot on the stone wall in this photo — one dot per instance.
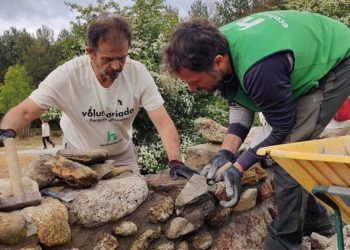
[90, 204]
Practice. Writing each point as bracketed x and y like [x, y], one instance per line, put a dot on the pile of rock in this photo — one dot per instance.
[88, 192]
[100, 206]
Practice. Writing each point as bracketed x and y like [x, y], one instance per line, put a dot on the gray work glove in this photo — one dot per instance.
[210, 171]
[233, 186]
[6, 133]
[178, 168]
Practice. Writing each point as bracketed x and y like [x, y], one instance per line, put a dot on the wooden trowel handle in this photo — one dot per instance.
[13, 166]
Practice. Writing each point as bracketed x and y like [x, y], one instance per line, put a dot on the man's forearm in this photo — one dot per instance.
[14, 120]
[171, 142]
[167, 131]
[232, 142]
[21, 115]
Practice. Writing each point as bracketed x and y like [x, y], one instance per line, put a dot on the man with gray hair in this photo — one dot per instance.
[100, 95]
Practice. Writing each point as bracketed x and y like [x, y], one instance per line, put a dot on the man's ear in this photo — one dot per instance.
[219, 63]
[89, 51]
[222, 63]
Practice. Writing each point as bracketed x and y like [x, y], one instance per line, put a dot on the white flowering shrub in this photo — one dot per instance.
[189, 140]
[51, 114]
[150, 157]
[339, 10]
[183, 107]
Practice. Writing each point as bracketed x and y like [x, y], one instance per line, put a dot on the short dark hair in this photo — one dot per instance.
[194, 45]
[100, 29]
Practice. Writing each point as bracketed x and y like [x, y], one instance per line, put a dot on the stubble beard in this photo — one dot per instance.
[111, 74]
[218, 78]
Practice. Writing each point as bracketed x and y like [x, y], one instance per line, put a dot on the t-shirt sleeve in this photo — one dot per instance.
[51, 92]
[240, 120]
[150, 98]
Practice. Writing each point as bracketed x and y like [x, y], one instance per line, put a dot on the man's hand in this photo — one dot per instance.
[220, 158]
[178, 168]
[233, 186]
[6, 133]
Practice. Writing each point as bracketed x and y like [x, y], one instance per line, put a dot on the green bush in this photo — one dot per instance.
[183, 107]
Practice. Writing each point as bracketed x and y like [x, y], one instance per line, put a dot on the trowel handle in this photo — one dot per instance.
[13, 166]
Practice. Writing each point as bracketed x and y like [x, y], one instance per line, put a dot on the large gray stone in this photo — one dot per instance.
[29, 186]
[195, 187]
[50, 219]
[84, 156]
[108, 201]
[102, 169]
[198, 156]
[119, 171]
[12, 228]
[73, 173]
[39, 171]
[162, 183]
[210, 130]
[247, 200]
[247, 230]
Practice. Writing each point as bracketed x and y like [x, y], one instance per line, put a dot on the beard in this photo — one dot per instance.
[218, 78]
[111, 74]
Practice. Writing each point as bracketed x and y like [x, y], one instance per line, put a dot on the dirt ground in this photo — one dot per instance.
[28, 149]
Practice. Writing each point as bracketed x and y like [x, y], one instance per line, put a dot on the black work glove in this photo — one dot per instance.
[219, 159]
[233, 186]
[178, 168]
[6, 133]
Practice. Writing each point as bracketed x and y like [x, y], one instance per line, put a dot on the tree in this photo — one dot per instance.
[231, 10]
[152, 22]
[9, 51]
[16, 88]
[199, 9]
[73, 42]
[71, 45]
[41, 56]
[339, 10]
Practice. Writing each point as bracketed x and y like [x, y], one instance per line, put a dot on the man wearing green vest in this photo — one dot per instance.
[292, 66]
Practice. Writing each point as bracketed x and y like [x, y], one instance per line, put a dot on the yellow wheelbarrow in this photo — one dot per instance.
[322, 167]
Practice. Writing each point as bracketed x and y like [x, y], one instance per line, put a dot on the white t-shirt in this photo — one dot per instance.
[45, 129]
[94, 116]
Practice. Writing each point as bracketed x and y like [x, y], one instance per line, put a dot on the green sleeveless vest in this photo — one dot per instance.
[318, 44]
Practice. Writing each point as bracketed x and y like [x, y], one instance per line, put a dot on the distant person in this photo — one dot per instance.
[100, 94]
[292, 66]
[45, 133]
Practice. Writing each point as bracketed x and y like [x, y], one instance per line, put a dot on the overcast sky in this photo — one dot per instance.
[32, 14]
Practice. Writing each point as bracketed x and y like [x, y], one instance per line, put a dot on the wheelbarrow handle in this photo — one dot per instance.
[13, 166]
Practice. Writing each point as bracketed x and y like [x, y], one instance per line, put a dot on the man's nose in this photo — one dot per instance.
[116, 64]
